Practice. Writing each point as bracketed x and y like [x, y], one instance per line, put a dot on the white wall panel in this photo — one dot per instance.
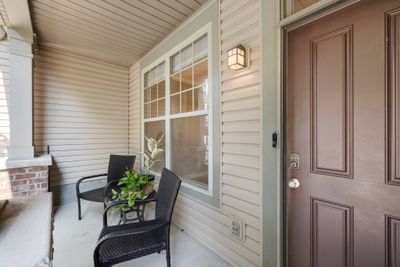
[80, 112]
[4, 98]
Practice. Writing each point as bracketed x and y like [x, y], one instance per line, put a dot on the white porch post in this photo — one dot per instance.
[20, 105]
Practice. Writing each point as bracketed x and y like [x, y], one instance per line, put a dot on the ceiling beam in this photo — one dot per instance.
[20, 19]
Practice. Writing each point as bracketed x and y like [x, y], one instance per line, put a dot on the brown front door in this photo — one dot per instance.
[343, 123]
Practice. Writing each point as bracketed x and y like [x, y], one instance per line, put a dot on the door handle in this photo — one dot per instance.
[294, 183]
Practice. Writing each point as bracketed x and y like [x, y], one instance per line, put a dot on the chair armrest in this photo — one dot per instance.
[107, 188]
[85, 178]
[108, 207]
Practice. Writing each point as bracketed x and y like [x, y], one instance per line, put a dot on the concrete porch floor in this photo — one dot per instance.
[74, 241]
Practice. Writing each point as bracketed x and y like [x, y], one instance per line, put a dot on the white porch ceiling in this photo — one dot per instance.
[114, 31]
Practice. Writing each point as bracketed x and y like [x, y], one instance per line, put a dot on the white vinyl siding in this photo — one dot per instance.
[80, 111]
[4, 98]
[240, 120]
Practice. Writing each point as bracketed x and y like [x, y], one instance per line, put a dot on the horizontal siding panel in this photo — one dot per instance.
[241, 160]
[248, 173]
[242, 205]
[241, 138]
[241, 104]
[240, 93]
[242, 115]
[240, 182]
[248, 126]
[241, 194]
[80, 111]
[242, 149]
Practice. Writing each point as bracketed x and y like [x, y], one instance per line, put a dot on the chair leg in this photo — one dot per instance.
[79, 208]
[168, 255]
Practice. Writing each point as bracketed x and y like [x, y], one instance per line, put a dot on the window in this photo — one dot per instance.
[178, 106]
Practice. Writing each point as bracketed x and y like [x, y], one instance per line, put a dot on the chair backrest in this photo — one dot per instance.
[166, 196]
[118, 165]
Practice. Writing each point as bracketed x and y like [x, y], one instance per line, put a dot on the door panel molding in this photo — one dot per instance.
[392, 241]
[332, 234]
[332, 103]
[392, 26]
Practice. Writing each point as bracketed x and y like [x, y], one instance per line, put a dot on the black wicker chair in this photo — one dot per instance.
[116, 168]
[125, 242]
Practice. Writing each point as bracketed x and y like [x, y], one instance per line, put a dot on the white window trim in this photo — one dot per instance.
[207, 29]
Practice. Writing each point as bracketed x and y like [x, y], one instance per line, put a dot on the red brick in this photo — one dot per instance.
[38, 169]
[44, 185]
[38, 180]
[19, 182]
[24, 176]
[23, 188]
[16, 170]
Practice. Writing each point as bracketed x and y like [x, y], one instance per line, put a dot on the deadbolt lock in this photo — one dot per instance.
[294, 161]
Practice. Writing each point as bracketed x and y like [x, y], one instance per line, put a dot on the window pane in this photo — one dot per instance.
[201, 73]
[300, 5]
[186, 56]
[200, 48]
[189, 149]
[154, 109]
[151, 129]
[175, 83]
[147, 113]
[161, 89]
[161, 107]
[175, 62]
[161, 71]
[147, 95]
[186, 101]
[200, 99]
[186, 78]
[175, 104]
[154, 92]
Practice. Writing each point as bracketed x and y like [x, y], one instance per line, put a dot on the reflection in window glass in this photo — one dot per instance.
[190, 149]
[175, 104]
[154, 93]
[186, 79]
[186, 104]
[200, 48]
[151, 129]
[186, 56]
[192, 81]
[175, 62]
[201, 73]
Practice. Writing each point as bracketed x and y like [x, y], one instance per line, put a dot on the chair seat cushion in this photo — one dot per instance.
[130, 247]
[96, 195]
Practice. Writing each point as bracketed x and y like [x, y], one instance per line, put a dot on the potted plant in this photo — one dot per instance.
[153, 151]
[132, 186]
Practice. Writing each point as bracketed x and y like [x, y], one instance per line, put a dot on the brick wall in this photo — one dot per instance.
[23, 181]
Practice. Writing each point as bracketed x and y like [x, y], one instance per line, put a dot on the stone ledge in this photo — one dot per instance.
[43, 160]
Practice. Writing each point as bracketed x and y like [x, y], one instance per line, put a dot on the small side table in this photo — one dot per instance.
[139, 208]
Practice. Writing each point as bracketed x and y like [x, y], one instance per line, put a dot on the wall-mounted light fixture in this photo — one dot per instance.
[237, 57]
